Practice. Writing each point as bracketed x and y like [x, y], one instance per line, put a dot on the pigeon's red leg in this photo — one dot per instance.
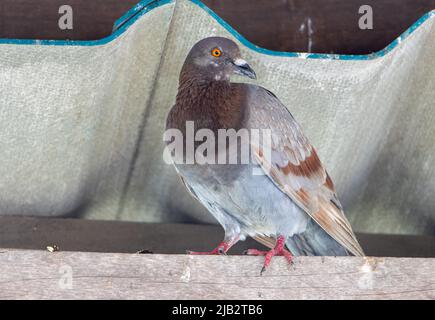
[222, 248]
[279, 250]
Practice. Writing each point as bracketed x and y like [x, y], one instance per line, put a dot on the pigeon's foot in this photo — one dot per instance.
[279, 250]
[222, 248]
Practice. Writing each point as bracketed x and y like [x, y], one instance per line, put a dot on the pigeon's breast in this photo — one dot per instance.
[248, 196]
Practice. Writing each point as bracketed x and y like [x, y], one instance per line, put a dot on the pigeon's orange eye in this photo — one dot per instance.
[216, 52]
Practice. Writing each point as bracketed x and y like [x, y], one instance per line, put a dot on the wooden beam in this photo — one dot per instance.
[30, 274]
[129, 237]
[30, 19]
[273, 24]
[304, 26]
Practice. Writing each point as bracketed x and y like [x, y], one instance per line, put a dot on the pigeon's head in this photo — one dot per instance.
[217, 58]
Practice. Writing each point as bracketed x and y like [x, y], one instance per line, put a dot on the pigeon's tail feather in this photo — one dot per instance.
[314, 241]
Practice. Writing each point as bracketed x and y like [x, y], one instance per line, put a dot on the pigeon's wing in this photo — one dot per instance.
[187, 186]
[292, 163]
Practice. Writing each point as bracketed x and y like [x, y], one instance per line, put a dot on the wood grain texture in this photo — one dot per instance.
[44, 275]
[38, 19]
[332, 27]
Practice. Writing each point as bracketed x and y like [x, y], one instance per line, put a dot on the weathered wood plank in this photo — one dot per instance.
[29, 274]
[304, 26]
[129, 237]
[28, 19]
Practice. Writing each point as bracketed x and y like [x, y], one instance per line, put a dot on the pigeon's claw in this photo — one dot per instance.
[279, 250]
[222, 248]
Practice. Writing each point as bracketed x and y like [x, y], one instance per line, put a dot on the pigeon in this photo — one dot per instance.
[283, 198]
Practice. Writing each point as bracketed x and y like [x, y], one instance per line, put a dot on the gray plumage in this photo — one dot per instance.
[295, 198]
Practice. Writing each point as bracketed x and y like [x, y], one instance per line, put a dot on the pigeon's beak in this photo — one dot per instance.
[243, 68]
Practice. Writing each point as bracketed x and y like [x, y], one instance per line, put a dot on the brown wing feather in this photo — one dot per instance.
[321, 203]
[294, 166]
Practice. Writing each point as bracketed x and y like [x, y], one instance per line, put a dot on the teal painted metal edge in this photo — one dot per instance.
[370, 56]
[144, 6]
[121, 25]
[131, 13]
